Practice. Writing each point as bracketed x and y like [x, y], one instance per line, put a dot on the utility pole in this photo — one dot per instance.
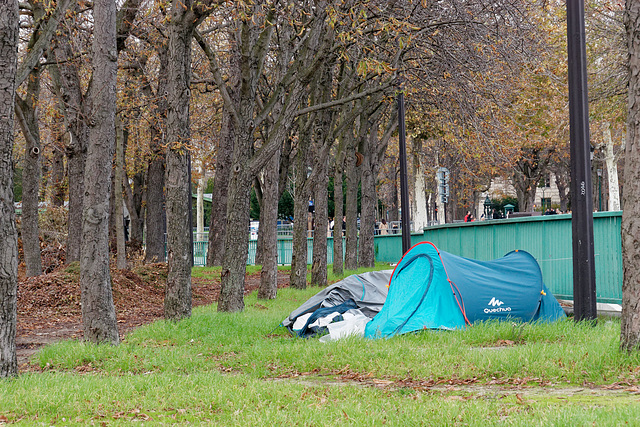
[584, 272]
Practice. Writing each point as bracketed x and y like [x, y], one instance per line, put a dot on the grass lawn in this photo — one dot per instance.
[242, 369]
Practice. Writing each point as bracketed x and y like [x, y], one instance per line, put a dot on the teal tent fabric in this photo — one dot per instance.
[431, 289]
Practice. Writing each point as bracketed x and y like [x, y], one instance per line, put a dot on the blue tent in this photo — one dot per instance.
[432, 289]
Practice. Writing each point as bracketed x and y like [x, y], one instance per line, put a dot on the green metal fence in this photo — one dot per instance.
[284, 250]
[547, 238]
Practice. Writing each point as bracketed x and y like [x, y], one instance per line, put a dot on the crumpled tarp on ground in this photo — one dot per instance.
[365, 292]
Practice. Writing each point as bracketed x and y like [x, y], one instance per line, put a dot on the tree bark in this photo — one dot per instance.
[177, 302]
[321, 198]
[27, 114]
[70, 93]
[200, 205]
[219, 197]
[298, 277]
[56, 178]
[630, 330]
[136, 210]
[98, 311]
[419, 214]
[121, 254]
[338, 203]
[234, 260]
[366, 246]
[155, 197]
[351, 253]
[9, 21]
[268, 229]
[612, 169]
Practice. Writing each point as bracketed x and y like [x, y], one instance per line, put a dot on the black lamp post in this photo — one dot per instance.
[584, 274]
[404, 185]
[487, 208]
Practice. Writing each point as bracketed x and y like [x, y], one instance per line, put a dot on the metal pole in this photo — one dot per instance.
[404, 185]
[584, 273]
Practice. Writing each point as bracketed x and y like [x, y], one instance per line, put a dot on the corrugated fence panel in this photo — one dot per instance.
[608, 250]
[547, 238]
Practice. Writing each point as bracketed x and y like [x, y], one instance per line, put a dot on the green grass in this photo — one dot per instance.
[241, 369]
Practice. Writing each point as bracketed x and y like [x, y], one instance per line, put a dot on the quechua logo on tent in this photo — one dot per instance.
[496, 304]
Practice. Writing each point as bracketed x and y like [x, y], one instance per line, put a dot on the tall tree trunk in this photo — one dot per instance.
[323, 136]
[134, 205]
[321, 198]
[155, 238]
[200, 204]
[9, 21]
[219, 197]
[67, 82]
[419, 214]
[257, 189]
[338, 203]
[366, 256]
[155, 219]
[177, 302]
[563, 188]
[630, 330]
[394, 215]
[612, 169]
[121, 254]
[525, 191]
[351, 253]
[56, 179]
[298, 277]
[27, 114]
[237, 237]
[98, 311]
[268, 229]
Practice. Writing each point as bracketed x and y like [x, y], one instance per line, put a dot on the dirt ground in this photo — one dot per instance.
[49, 305]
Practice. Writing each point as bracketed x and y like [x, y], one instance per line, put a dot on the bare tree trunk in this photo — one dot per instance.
[323, 137]
[338, 202]
[366, 257]
[394, 214]
[419, 214]
[268, 229]
[234, 262]
[177, 302]
[563, 189]
[630, 330]
[257, 189]
[526, 193]
[298, 278]
[134, 206]
[121, 255]
[27, 114]
[321, 196]
[156, 220]
[69, 90]
[155, 238]
[200, 204]
[57, 176]
[612, 169]
[9, 21]
[98, 311]
[219, 197]
[351, 253]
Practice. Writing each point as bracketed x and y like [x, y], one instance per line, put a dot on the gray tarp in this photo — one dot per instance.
[368, 290]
